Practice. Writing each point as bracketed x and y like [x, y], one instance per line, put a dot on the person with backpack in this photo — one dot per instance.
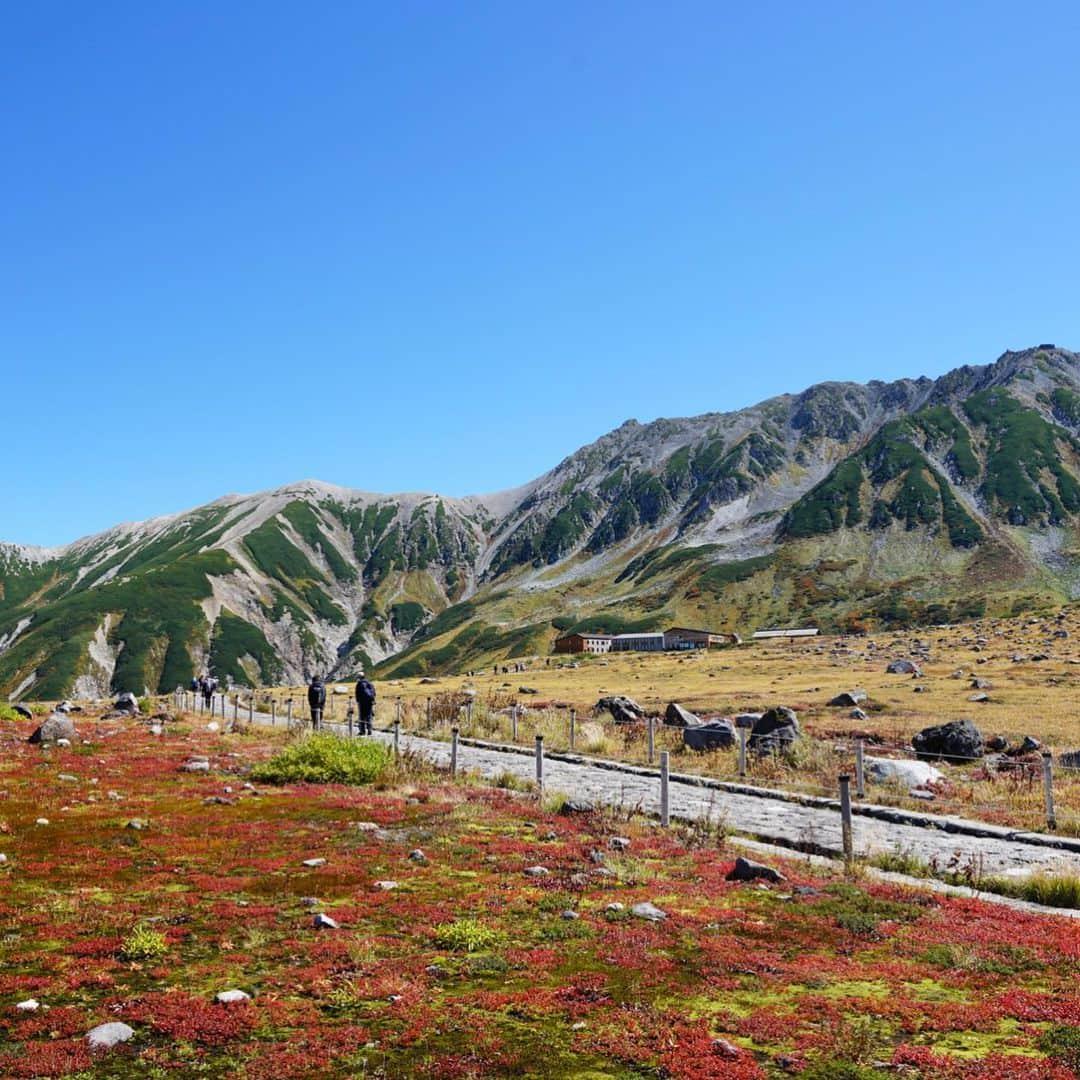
[365, 703]
[316, 697]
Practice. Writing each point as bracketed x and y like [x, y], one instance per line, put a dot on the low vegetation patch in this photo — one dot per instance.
[325, 759]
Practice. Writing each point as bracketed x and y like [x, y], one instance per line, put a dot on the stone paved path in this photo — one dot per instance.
[768, 816]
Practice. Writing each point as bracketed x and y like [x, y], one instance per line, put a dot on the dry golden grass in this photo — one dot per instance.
[1028, 697]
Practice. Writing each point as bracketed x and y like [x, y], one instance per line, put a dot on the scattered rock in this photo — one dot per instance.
[910, 773]
[624, 710]
[998, 744]
[67, 778]
[619, 843]
[127, 702]
[775, 731]
[648, 911]
[748, 870]
[138, 824]
[569, 914]
[231, 997]
[848, 699]
[1028, 746]
[536, 871]
[676, 716]
[857, 714]
[979, 698]
[29, 1005]
[576, 806]
[23, 711]
[417, 856]
[725, 1049]
[314, 862]
[981, 684]
[57, 726]
[528, 690]
[195, 766]
[957, 741]
[903, 667]
[614, 906]
[386, 886]
[324, 922]
[716, 734]
[106, 1036]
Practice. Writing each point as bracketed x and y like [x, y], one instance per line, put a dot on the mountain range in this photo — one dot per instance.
[846, 506]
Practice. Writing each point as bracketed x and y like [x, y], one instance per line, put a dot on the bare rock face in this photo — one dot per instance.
[57, 726]
[624, 710]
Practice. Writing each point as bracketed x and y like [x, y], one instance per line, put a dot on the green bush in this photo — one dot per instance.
[468, 935]
[1062, 1042]
[144, 943]
[325, 759]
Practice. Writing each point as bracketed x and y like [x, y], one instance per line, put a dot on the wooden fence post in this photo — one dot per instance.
[845, 818]
[540, 763]
[453, 750]
[665, 805]
[742, 752]
[860, 778]
[1048, 788]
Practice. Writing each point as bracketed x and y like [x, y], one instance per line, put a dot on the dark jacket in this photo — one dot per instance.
[316, 694]
[365, 697]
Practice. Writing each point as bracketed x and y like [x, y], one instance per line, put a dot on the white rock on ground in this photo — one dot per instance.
[911, 773]
[105, 1036]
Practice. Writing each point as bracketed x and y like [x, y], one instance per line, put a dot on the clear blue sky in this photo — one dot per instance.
[439, 246]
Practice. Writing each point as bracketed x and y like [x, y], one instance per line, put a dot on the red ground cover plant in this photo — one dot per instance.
[469, 967]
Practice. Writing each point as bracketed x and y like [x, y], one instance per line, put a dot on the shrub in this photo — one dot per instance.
[1063, 1043]
[325, 759]
[468, 935]
[144, 943]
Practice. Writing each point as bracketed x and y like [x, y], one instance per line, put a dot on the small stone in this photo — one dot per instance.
[106, 1036]
[568, 914]
[196, 767]
[417, 856]
[29, 1005]
[3, 858]
[394, 999]
[367, 826]
[619, 843]
[857, 714]
[42, 821]
[115, 795]
[979, 697]
[136, 823]
[156, 729]
[579, 880]
[324, 922]
[230, 997]
[386, 886]
[748, 870]
[576, 806]
[615, 906]
[536, 871]
[67, 778]
[551, 834]
[63, 742]
[724, 1048]
[309, 901]
[314, 862]
[648, 911]
[213, 726]
[578, 1025]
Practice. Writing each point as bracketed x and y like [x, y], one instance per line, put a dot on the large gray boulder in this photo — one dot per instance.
[624, 710]
[57, 726]
[903, 667]
[956, 742]
[848, 699]
[775, 731]
[127, 702]
[716, 734]
[676, 716]
[908, 773]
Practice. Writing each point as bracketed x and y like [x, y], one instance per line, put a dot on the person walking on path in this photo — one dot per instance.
[316, 697]
[365, 703]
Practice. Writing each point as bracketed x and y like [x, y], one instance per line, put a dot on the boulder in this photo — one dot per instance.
[127, 702]
[848, 699]
[624, 710]
[716, 734]
[981, 684]
[748, 870]
[775, 731]
[903, 667]
[648, 911]
[676, 716]
[106, 1036]
[957, 741]
[576, 805]
[57, 726]
[909, 773]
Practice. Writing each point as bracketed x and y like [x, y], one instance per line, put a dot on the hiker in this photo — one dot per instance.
[316, 697]
[207, 686]
[365, 703]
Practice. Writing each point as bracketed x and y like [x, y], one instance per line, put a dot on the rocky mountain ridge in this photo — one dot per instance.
[845, 504]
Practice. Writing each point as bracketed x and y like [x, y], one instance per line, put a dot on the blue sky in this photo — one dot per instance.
[440, 246]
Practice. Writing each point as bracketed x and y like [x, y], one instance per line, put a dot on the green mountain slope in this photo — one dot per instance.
[918, 500]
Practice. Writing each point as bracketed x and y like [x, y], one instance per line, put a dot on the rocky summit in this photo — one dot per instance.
[846, 506]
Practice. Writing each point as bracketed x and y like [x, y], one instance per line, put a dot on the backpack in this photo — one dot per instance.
[365, 692]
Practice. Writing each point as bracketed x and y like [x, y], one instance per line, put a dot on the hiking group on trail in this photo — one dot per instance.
[365, 702]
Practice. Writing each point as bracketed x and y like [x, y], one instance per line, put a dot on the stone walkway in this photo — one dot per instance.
[805, 824]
